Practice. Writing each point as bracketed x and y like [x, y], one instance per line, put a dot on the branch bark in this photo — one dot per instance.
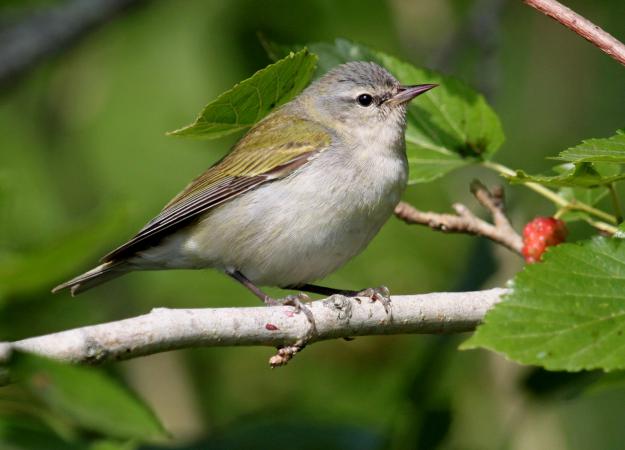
[336, 317]
[582, 26]
[500, 231]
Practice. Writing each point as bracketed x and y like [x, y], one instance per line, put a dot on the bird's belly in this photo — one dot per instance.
[299, 229]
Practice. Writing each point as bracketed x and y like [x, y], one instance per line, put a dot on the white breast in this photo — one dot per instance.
[301, 228]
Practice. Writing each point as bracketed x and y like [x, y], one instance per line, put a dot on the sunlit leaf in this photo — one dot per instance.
[580, 175]
[448, 127]
[565, 313]
[252, 99]
[609, 150]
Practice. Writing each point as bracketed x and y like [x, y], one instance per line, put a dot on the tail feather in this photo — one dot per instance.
[98, 275]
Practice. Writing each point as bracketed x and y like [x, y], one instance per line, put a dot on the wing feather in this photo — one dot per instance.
[273, 149]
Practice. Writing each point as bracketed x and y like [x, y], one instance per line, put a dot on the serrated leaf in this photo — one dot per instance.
[565, 313]
[580, 175]
[449, 127]
[252, 99]
[86, 396]
[608, 150]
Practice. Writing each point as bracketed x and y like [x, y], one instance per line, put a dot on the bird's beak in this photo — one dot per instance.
[407, 93]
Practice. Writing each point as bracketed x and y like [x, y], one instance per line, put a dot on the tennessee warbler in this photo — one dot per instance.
[303, 192]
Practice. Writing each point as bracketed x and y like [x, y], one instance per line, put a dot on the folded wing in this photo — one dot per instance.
[273, 149]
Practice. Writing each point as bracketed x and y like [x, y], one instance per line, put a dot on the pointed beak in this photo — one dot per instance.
[407, 93]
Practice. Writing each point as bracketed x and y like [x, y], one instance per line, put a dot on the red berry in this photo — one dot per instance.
[540, 233]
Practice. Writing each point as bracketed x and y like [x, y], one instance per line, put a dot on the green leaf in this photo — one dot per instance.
[20, 433]
[566, 313]
[449, 127]
[87, 396]
[579, 175]
[584, 195]
[609, 150]
[112, 445]
[252, 99]
[620, 232]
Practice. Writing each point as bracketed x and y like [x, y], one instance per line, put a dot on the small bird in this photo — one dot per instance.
[303, 192]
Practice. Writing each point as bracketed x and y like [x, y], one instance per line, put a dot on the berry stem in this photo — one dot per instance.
[561, 201]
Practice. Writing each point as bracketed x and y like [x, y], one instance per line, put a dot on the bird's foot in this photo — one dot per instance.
[378, 294]
[297, 302]
[286, 353]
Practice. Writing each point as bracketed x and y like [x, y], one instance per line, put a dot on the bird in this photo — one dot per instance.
[301, 193]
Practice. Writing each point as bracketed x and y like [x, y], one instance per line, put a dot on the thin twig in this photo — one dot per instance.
[464, 221]
[582, 26]
[335, 317]
[572, 205]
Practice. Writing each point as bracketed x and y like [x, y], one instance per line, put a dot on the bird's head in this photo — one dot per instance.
[361, 98]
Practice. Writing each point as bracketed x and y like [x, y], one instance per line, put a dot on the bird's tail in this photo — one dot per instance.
[98, 275]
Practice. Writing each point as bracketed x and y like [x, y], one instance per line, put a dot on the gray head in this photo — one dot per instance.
[359, 96]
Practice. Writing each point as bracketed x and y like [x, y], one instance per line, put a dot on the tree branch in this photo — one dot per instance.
[336, 317]
[500, 231]
[582, 26]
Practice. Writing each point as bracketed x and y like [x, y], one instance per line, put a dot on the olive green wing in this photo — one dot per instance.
[272, 149]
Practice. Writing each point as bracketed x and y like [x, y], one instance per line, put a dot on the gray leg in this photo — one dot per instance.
[291, 300]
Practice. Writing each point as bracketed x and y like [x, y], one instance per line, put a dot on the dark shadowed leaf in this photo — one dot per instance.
[25, 434]
[86, 396]
[45, 267]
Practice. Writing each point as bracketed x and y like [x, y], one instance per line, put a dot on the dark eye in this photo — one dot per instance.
[365, 99]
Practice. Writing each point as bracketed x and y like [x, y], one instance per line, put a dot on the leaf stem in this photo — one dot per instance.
[559, 200]
[601, 226]
[618, 212]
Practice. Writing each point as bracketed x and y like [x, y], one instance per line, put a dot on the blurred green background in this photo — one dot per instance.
[84, 163]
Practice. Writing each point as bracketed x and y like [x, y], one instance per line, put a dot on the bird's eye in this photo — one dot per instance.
[365, 99]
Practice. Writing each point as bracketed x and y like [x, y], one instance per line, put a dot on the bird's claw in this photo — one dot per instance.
[286, 353]
[378, 294]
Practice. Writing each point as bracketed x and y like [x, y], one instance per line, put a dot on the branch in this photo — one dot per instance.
[582, 26]
[335, 317]
[500, 231]
[47, 32]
